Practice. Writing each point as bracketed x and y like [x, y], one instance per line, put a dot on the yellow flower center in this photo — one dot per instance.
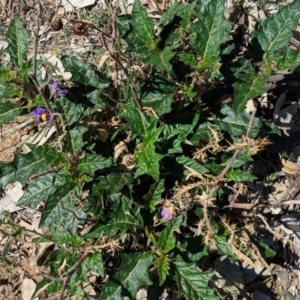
[43, 116]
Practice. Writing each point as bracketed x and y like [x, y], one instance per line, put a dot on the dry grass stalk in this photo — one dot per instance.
[212, 146]
[245, 239]
[252, 145]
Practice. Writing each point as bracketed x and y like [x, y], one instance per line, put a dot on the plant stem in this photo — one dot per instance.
[33, 75]
[226, 169]
[137, 100]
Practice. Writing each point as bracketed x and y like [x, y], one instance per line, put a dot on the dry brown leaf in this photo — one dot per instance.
[253, 16]
[86, 229]
[142, 294]
[13, 193]
[102, 134]
[115, 122]
[119, 149]
[40, 138]
[27, 288]
[232, 13]
[249, 106]
[289, 167]
[56, 62]
[103, 60]
[69, 5]
[150, 112]
[129, 161]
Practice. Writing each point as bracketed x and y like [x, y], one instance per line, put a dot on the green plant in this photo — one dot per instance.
[144, 138]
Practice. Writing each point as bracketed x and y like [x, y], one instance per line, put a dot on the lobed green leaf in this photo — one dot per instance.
[193, 249]
[25, 165]
[210, 31]
[41, 188]
[192, 283]
[161, 58]
[183, 10]
[82, 73]
[154, 196]
[148, 162]
[167, 239]
[73, 112]
[18, 40]
[53, 211]
[65, 237]
[224, 248]
[176, 131]
[192, 164]
[120, 220]
[204, 133]
[275, 32]
[74, 139]
[290, 59]
[239, 175]
[118, 180]
[95, 263]
[141, 39]
[163, 265]
[140, 124]
[91, 163]
[236, 125]
[157, 93]
[243, 157]
[250, 86]
[8, 110]
[132, 274]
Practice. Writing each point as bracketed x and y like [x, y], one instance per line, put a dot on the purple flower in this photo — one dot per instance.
[42, 113]
[166, 215]
[57, 87]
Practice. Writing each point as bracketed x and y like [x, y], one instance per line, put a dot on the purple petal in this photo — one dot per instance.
[63, 91]
[166, 215]
[48, 117]
[37, 113]
[55, 85]
[42, 113]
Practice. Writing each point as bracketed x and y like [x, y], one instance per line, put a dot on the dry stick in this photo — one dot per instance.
[266, 223]
[285, 202]
[114, 39]
[131, 84]
[71, 271]
[33, 75]
[226, 169]
[25, 229]
[67, 277]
